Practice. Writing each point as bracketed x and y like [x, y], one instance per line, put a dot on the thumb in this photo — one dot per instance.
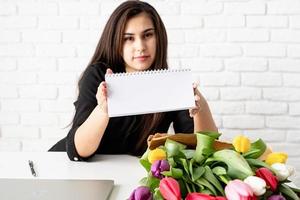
[109, 71]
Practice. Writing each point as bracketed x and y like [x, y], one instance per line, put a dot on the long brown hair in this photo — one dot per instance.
[109, 51]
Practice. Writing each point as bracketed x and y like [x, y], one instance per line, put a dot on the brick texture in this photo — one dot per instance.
[245, 54]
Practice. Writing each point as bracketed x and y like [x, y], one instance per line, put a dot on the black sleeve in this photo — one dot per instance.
[84, 105]
[182, 122]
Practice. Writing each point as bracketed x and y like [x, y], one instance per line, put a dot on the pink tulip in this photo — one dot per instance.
[169, 189]
[238, 190]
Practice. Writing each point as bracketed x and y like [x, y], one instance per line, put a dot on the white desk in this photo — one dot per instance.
[123, 169]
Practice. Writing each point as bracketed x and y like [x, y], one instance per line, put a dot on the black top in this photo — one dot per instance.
[122, 133]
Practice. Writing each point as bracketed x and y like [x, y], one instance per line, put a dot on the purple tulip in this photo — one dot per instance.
[141, 193]
[276, 197]
[159, 166]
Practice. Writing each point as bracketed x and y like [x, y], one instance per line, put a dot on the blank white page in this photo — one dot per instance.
[149, 92]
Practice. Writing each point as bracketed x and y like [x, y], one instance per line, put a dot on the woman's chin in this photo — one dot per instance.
[141, 68]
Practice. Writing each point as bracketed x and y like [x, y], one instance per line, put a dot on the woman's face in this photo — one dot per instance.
[139, 43]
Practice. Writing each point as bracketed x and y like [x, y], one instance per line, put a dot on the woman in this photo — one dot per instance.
[134, 39]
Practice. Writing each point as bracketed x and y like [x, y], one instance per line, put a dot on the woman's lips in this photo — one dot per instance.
[141, 58]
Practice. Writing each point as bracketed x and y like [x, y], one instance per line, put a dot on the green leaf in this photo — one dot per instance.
[146, 164]
[145, 155]
[202, 181]
[187, 179]
[206, 191]
[185, 165]
[174, 172]
[237, 166]
[173, 147]
[197, 171]
[219, 171]
[204, 147]
[152, 183]
[183, 188]
[249, 154]
[143, 181]
[257, 148]
[225, 179]
[167, 173]
[208, 175]
[199, 157]
[221, 174]
[286, 190]
[258, 163]
[297, 190]
[210, 160]
[189, 153]
[212, 134]
[157, 195]
[172, 162]
[177, 173]
[189, 190]
[207, 151]
[187, 183]
[194, 188]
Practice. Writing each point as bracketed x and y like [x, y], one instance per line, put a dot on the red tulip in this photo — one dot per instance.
[169, 189]
[268, 176]
[238, 190]
[199, 196]
[220, 198]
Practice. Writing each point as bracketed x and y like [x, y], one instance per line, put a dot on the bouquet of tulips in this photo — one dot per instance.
[200, 167]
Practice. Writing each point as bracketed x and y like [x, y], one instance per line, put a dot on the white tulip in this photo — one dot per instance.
[282, 171]
[258, 185]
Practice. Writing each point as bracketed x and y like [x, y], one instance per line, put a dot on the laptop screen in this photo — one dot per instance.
[49, 189]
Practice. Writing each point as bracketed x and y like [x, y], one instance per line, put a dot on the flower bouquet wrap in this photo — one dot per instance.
[200, 167]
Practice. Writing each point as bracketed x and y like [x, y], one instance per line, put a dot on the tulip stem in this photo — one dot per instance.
[224, 179]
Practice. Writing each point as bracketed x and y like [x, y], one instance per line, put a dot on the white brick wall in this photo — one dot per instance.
[246, 54]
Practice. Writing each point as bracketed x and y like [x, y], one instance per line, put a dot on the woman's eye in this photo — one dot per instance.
[147, 35]
[128, 38]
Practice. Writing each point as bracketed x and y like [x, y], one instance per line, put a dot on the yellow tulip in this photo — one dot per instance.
[241, 144]
[156, 154]
[276, 157]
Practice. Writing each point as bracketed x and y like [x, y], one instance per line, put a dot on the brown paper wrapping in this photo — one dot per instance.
[190, 140]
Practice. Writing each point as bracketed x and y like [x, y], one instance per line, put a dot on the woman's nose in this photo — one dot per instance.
[140, 45]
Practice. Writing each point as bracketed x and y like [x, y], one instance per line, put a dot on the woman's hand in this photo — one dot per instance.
[198, 101]
[101, 95]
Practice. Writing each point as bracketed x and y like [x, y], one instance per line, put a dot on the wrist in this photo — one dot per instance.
[102, 112]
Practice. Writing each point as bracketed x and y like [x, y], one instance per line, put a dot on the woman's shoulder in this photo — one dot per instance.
[95, 70]
[98, 68]
[99, 65]
[94, 74]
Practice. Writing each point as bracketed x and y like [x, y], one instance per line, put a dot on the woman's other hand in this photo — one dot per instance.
[198, 101]
[101, 95]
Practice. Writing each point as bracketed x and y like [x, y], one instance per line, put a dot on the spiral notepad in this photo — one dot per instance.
[149, 92]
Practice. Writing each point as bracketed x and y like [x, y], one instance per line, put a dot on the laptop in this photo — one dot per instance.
[50, 189]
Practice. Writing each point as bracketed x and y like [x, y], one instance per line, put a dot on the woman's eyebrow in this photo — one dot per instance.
[128, 34]
[146, 30]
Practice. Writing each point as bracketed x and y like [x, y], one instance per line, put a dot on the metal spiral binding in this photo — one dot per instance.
[150, 72]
